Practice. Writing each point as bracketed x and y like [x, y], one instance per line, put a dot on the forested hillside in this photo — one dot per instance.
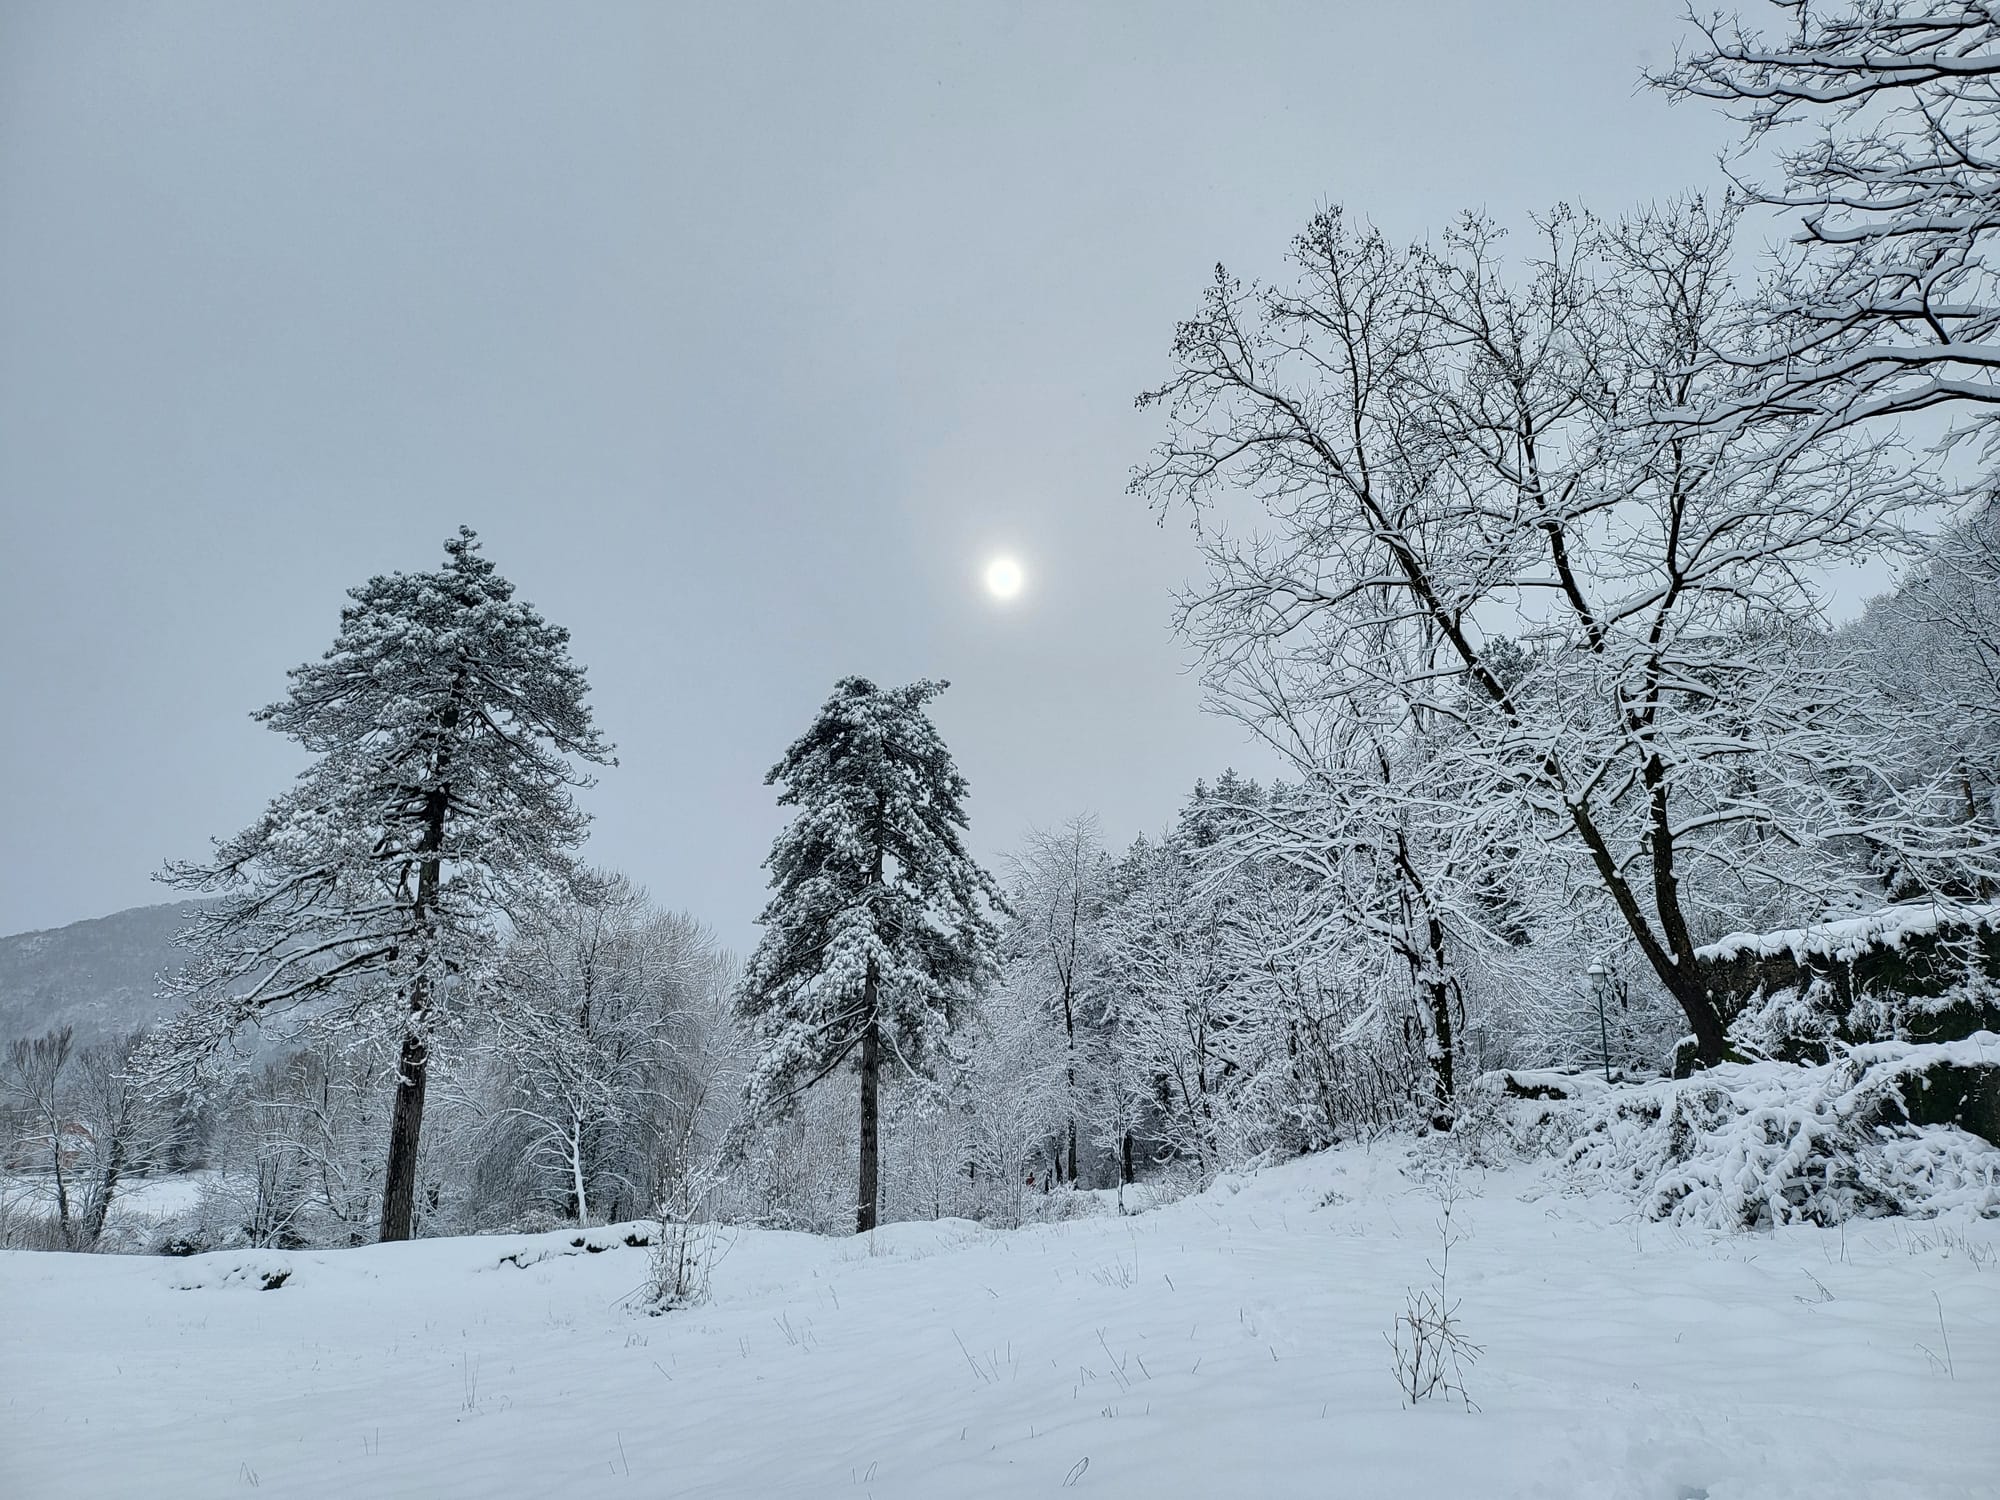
[100, 977]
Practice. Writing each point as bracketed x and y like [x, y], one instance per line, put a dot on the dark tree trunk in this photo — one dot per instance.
[866, 1199]
[107, 1184]
[406, 1118]
[868, 1193]
[1432, 978]
[1069, 1027]
[62, 1183]
[1125, 1160]
[1437, 999]
[413, 1069]
[1437, 994]
[1711, 1038]
[399, 1192]
[1672, 961]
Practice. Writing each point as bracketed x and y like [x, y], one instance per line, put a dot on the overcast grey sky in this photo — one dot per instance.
[743, 334]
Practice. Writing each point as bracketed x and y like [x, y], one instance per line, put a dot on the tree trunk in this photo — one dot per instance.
[866, 1199]
[1125, 1160]
[1683, 980]
[1069, 1027]
[1437, 993]
[399, 1191]
[406, 1119]
[1711, 1037]
[62, 1183]
[107, 1184]
[1437, 999]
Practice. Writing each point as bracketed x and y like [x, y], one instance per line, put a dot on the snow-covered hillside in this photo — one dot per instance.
[1228, 1345]
[100, 977]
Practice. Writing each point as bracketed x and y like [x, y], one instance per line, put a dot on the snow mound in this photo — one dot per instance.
[638, 1234]
[265, 1271]
[1747, 1146]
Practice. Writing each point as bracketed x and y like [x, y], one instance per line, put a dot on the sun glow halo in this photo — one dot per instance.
[1003, 578]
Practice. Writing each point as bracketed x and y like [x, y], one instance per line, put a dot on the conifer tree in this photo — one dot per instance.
[881, 927]
[446, 723]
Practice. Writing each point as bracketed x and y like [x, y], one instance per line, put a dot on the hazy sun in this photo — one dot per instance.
[1003, 578]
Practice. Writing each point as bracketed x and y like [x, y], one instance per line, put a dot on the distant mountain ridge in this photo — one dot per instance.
[100, 976]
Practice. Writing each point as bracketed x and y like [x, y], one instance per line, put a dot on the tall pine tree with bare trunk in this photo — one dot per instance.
[880, 928]
[446, 723]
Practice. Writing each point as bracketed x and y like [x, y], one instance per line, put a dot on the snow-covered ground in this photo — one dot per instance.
[155, 1198]
[1228, 1345]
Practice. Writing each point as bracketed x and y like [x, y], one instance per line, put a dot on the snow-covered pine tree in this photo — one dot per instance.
[446, 723]
[880, 927]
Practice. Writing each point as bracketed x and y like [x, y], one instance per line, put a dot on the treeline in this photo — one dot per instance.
[594, 1057]
[1234, 988]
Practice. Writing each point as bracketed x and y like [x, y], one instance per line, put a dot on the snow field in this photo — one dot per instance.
[1228, 1345]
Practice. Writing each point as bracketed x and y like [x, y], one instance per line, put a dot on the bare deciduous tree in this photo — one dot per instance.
[1061, 881]
[127, 1130]
[1885, 120]
[1453, 455]
[38, 1087]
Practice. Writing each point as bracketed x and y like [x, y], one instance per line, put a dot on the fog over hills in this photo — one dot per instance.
[100, 976]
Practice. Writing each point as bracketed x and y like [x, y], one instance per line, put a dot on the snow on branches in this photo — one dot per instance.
[1488, 557]
[1885, 120]
[880, 928]
[447, 723]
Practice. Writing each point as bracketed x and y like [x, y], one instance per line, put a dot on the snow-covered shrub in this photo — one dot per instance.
[1793, 1023]
[1483, 1134]
[1519, 1114]
[682, 1258]
[125, 1233]
[924, 1153]
[1063, 1204]
[28, 1229]
[214, 1221]
[687, 1246]
[1749, 1145]
[1814, 1019]
[1013, 1090]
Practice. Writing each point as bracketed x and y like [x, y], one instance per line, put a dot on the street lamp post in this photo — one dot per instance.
[1600, 981]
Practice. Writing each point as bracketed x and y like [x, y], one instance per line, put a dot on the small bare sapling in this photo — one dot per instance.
[1431, 1350]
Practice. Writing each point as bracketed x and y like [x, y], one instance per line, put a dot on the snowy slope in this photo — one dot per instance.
[1229, 1345]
